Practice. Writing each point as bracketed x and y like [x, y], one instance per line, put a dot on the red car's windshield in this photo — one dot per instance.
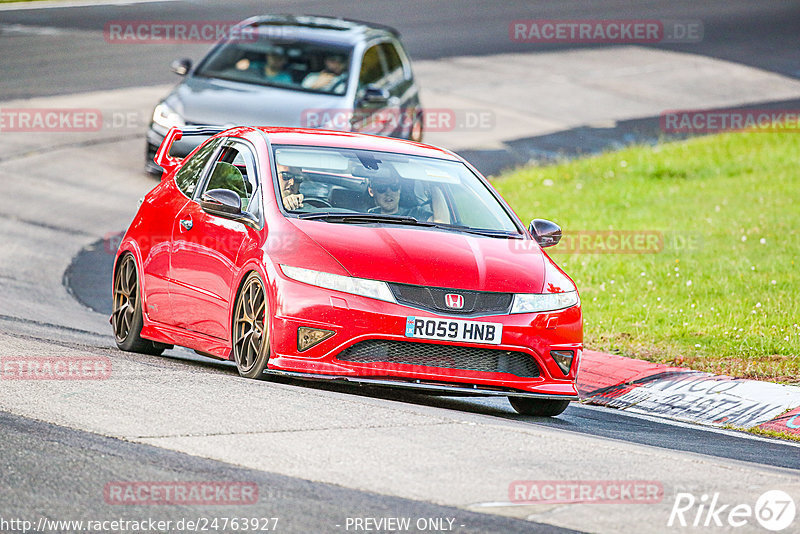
[347, 181]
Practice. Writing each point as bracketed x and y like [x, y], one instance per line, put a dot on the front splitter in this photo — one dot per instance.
[419, 385]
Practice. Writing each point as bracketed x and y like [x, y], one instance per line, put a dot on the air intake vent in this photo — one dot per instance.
[443, 356]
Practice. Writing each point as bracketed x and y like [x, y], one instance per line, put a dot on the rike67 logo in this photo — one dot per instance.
[774, 510]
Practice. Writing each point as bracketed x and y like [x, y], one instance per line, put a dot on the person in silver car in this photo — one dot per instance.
[273, 68]
[332, 78]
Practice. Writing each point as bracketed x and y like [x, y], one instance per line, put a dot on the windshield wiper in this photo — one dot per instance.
[363, 217]
[401, 219]
[477, 231]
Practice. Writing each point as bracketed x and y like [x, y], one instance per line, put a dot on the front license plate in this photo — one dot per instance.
[454, 330]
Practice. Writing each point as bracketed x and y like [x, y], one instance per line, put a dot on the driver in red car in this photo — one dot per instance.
[290, 181]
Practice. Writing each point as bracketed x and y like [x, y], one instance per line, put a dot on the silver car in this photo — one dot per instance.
[297, 71]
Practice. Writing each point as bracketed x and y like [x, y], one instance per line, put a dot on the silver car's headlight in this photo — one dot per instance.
[346, 284]
[163, 115]
[542, 302]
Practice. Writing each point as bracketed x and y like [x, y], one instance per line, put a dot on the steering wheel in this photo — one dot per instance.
[317, 202]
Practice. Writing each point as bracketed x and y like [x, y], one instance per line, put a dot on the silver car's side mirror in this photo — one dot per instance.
[181, 67]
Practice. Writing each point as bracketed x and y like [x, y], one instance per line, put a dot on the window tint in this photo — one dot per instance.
[188, 176]
[393, 61]
[371, 68]
[233, 170]
[289, 64]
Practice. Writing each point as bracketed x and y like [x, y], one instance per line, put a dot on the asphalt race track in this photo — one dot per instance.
[761, 35]
[318, 453]
[45, 459]
[95, 263]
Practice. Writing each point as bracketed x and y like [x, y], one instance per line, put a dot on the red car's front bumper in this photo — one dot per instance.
[370, 345]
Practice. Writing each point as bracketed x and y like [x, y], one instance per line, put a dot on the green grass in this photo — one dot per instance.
[722, 294]
[770, 433]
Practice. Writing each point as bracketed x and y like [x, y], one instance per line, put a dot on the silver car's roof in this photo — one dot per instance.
[319, 28]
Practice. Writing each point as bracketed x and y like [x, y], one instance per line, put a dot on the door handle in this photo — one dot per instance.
[186, 224]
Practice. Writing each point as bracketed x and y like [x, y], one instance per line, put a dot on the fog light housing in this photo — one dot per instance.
[564, 359]
[308, 337]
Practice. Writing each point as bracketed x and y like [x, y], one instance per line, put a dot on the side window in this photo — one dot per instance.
[189, 175]
[371, 68]
[234, 169]
[394, 65]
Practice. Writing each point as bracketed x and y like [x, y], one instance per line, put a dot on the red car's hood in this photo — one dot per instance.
[431, 257]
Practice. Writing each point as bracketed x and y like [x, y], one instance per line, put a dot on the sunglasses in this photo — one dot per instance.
[287, 175]
[382, 188]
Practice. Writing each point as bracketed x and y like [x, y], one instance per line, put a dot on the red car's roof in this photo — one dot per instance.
[331, 138]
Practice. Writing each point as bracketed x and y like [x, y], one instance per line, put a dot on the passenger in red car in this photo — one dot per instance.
[387, 197]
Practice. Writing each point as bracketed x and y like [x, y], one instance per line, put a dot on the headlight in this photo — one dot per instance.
[541, 302]
[346, 284]
[164, 116]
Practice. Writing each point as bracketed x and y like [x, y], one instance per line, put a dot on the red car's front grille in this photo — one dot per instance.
[434, 299]
[446, 356]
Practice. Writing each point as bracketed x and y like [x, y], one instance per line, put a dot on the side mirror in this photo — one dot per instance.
[222, 202]
[546, 233]
[226, 203]
[181, 67]
[375, 95]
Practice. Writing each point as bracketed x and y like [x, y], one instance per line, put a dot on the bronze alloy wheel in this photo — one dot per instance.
[126, 294]
[251, 328]
[126, 317]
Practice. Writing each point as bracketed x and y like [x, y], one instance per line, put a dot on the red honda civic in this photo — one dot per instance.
[328, 255]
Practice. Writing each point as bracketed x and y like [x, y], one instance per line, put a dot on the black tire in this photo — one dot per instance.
[126, 317]
[540, 407]
[250, 329]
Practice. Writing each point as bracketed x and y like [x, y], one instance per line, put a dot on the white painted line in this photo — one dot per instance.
[30, 30]
[47, 4]
[501, 504]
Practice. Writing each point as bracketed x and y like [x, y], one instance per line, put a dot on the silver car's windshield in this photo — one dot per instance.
[257, 58]
[362, 186]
